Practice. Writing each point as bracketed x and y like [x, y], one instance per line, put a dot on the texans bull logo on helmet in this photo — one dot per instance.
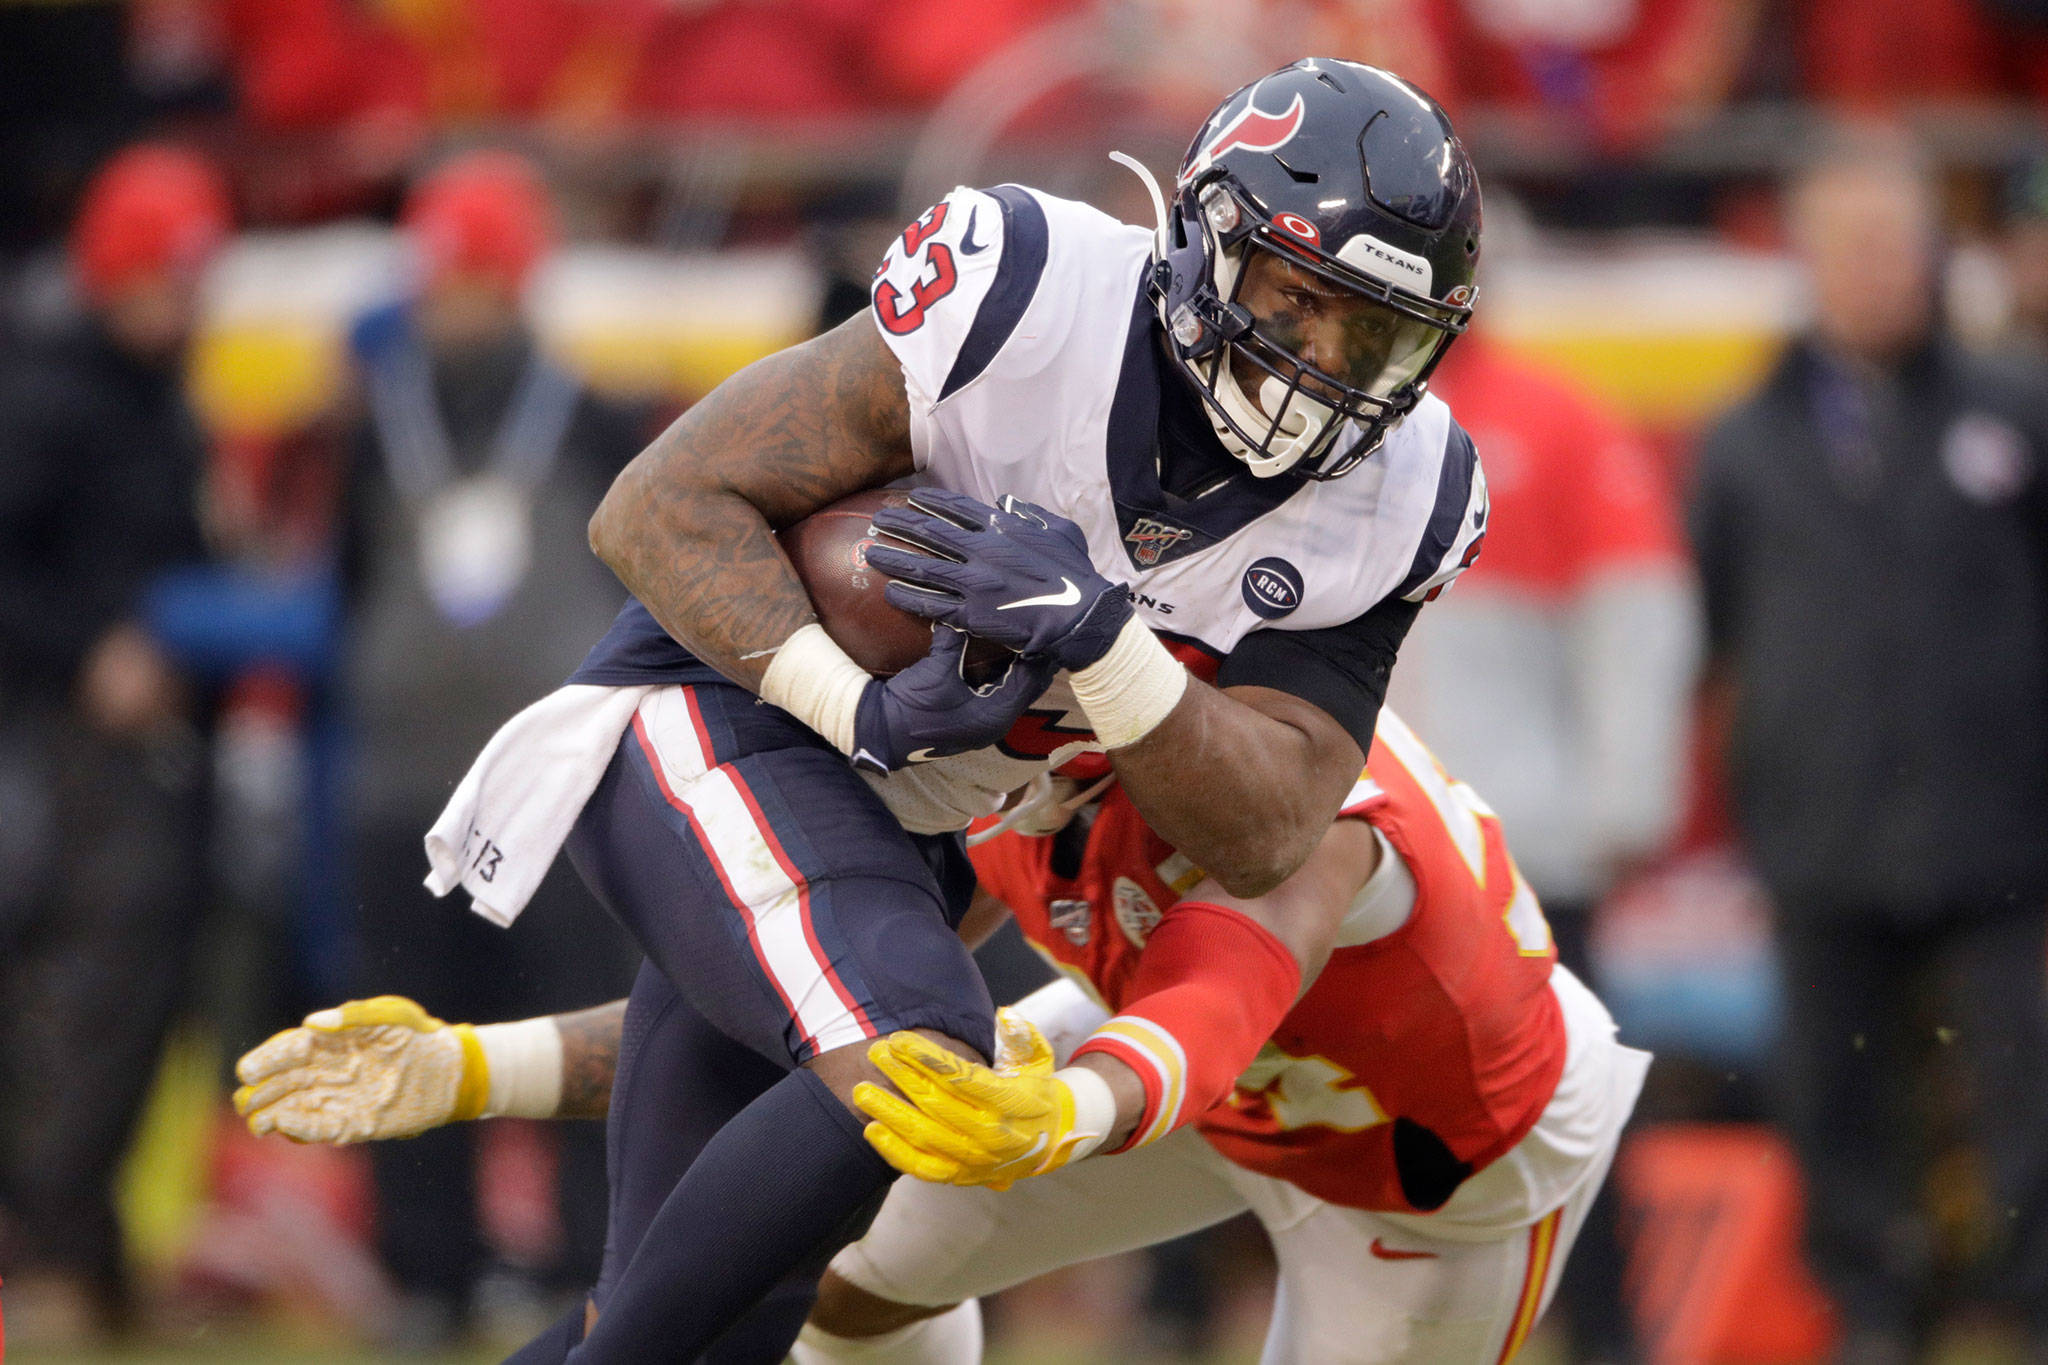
[1250, 129]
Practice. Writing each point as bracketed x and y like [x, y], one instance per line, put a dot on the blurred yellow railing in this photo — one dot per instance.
[1664, 383]
[1668, 333]
[273, 352]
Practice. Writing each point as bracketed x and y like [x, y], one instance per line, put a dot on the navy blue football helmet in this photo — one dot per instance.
[1353, 179]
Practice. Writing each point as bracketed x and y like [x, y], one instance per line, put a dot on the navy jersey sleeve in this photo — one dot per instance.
[1343, 670]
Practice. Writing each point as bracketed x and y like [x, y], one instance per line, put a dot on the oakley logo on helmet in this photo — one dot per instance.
[1462, 296]
[1383, 261]
[1272, 588]
[1299, 226]
[1253, 130]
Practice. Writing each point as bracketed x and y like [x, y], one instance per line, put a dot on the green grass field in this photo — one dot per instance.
[281, 1349]
[289, 1345]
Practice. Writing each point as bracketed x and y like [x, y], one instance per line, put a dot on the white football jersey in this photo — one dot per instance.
[1031, 359]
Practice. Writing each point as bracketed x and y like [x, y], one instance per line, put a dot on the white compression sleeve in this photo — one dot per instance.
[1128, 691]
[524, 1061]
[812, 678]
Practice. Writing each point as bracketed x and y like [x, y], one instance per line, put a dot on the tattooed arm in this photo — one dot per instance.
[687, 525]
[590, 1059]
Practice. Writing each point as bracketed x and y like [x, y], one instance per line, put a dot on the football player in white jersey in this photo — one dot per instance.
[1192, 476]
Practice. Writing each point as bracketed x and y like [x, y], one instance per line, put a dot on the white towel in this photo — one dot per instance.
[515, 806]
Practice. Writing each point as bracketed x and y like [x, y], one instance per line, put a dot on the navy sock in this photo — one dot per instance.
[789, 1172]
[553, 1345]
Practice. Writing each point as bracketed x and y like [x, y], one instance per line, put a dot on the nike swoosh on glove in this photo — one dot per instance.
[930, 710]
[967, 1124]
[1014, 574]
[367, 1070]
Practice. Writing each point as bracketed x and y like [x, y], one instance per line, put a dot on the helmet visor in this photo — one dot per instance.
[1346, 342]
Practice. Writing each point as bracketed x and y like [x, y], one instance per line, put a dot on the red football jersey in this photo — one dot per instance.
[1448, 1021]
[1575, 493]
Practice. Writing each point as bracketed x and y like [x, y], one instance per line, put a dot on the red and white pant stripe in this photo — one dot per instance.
[761, 880]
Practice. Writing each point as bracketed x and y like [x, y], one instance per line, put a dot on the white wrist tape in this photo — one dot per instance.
[524, 1060]
[1128, 691]
[812, 678]
[1094, 1107]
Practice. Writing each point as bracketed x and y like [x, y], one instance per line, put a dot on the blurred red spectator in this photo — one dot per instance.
[367, 81]
[301, 63]
[155, 213]
[1560, 671]
[487, 214]
[810, 59]
[1626, 70]
[1877, 56]
[100, 731]
[316, 63]
[742, 60]
[1576, 492]
[915, 51]
[599, 63]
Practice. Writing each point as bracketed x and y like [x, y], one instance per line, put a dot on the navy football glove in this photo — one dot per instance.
[930, 710]
[1016, 575]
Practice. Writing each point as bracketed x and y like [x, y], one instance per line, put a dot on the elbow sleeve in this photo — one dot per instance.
[1211, 987]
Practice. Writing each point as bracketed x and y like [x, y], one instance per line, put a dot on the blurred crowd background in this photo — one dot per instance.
[325, 323]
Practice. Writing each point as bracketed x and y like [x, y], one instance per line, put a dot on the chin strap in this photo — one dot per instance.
[1302, 428]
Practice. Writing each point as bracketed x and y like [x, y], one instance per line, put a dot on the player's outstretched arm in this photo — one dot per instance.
[1217, 976]
[686, 526]
[384, 1068]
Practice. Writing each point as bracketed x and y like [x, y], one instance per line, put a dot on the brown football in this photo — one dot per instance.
[829, 550]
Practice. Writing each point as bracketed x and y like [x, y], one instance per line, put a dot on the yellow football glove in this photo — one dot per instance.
[370, 1069]
[967, 1124]
[1021, 1045]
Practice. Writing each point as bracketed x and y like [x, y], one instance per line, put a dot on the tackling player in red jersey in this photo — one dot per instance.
[1421, 1131]
[1445, 926]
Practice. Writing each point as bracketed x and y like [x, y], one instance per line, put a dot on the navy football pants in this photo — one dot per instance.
[772, 887]
[784, 913]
